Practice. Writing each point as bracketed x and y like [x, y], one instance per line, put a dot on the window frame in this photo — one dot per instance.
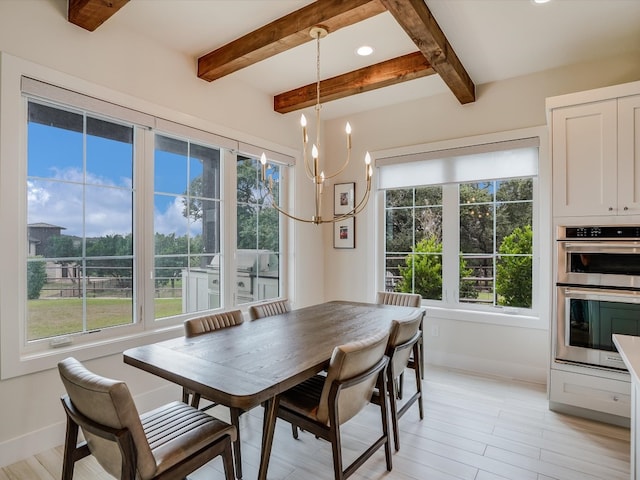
[449, 307]
[16, 356]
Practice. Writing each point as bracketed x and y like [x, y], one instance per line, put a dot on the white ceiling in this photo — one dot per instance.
[494, 39]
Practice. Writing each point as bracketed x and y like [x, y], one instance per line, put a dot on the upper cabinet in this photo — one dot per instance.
[595, 150]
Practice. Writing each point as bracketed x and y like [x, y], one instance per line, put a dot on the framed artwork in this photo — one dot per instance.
[344, 233]
[344, 198]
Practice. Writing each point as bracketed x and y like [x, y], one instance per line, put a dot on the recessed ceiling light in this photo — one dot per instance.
[540, 1]
[364, 50]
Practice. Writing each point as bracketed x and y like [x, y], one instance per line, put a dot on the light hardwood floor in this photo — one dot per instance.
[475, 428]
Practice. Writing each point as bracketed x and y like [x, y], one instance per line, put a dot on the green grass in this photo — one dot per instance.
[49, 317]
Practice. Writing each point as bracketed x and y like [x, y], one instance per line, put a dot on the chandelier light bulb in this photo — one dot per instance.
[367, 159]
[347, 128]
[314, 151]
[303, 120]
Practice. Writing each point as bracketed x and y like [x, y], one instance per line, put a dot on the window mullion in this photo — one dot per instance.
[450, 243]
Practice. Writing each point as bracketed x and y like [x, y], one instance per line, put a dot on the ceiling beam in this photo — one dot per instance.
[390, 72]
[283, 34]
[90, 14]
[416, 20]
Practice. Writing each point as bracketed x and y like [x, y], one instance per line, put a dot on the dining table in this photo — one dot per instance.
[253, 363]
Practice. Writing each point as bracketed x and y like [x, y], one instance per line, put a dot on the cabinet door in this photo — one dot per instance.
[584, 150]
[629, 155]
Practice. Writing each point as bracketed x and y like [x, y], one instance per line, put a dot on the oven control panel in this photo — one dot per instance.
[625, 231]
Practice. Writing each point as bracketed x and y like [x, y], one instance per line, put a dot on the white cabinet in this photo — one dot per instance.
[586, 391]
[596, 157]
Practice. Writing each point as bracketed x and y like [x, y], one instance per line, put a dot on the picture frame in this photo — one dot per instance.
[344, 233]
[344, 195]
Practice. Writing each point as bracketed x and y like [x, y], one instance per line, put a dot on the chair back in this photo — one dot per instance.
[209, 323]
[348, 361]
[107, 402]
[268, 309]
[403, 336]
[399, 299]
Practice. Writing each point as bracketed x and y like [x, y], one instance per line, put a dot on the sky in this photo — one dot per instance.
[55, 184]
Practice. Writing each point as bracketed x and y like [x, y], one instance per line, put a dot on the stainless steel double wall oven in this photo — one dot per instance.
[597, 292]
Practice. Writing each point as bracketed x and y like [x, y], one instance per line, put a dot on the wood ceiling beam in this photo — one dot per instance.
[416, 20]
[283, 34]
[390, 72]
[90, 14]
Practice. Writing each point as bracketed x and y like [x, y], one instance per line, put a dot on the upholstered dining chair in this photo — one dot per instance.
[168, 442]
[403, 340]
[404, 300]
[322, 404]
[207, 324]
[267, 309]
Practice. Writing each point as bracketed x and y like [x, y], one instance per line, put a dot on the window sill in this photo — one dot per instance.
[27, 363]
[506, 319]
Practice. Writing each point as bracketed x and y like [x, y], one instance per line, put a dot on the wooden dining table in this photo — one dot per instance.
[252, 363]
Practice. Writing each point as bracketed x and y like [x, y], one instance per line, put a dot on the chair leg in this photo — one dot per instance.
[336, 448]
[393, 405]
[419, 376]
[385, 416]
[227, 460]
[195, 399]
[72, 452]
[400, 383]
[294, 431]
[235, 421]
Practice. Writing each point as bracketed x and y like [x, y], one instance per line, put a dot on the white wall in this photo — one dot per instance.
[513, 104]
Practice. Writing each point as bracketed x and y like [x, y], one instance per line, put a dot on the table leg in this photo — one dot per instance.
[268, 429]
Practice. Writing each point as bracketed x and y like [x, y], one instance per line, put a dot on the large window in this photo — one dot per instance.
[131, 224]
[466, 243]
[80, 270]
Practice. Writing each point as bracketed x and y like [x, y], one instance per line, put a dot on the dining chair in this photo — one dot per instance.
[322, 404]
[208, 324]
[267, 309]
[403, 340]
[405, 300]
[169, 442]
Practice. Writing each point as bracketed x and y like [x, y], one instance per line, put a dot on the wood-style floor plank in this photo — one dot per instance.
[475, 428]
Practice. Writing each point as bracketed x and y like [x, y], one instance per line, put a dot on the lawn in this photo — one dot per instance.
[50, 317]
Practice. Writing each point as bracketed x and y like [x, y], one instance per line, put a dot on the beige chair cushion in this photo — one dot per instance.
[399, 299]
[402, 331]
[269, 308]
[175, 431]
[209, 323]
[348, 361]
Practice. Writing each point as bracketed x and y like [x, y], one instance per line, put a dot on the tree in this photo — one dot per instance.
[423, 271]
[36, 278]
[514, 280]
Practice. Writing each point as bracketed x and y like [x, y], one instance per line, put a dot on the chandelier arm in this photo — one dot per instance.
[341, 169]
[289, 215]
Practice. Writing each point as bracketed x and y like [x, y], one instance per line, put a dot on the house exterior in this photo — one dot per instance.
[140, 73]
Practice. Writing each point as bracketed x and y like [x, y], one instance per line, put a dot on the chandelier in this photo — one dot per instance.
[313, 160]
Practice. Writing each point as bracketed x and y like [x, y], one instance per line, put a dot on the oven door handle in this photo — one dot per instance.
[601, 294]
[591, 247]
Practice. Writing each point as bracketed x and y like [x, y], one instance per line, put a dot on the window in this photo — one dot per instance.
[258, 233]
[187, 227]
[127, 225]
[80, 270]
[466, 240]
